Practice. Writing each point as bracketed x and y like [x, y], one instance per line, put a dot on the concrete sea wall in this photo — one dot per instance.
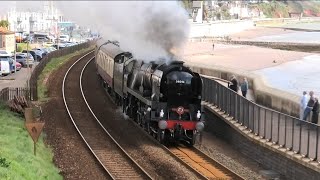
[264, 94]
[219, 28]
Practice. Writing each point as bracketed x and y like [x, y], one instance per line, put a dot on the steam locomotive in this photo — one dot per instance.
[164, 99]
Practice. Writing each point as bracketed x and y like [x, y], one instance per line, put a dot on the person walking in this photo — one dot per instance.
[303, 103]
[315, 112]
[244, 87]
[309, 107]
[234, 84]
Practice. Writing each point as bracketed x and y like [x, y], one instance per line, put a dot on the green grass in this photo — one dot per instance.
[53, 65]
[17, 160]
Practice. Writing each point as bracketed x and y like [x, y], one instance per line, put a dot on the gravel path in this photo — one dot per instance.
[71, 155]
[226, 155]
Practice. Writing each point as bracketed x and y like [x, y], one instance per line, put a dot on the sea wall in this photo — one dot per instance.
[264, 94]
[219, 28]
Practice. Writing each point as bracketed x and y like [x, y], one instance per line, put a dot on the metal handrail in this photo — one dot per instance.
[285, 130]
[219, 79]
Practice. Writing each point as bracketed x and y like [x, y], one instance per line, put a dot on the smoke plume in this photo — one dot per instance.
[148, 29]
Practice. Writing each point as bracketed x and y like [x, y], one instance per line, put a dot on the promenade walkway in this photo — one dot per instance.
[288, 135]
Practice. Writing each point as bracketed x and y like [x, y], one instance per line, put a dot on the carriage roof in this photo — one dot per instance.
[110, 49]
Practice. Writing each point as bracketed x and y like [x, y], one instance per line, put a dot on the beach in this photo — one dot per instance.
[290, 71]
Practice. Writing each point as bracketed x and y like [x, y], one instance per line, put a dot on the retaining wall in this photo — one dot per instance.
[264, 154]
[219, 28]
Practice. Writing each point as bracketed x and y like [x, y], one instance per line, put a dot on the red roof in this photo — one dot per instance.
[5, 31]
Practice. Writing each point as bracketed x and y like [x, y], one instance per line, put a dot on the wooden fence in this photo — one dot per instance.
[31, 93]
[9, 93]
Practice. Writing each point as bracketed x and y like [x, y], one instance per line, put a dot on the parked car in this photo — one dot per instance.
[6, 63]
[18, 66]
[61, 46]
[3, 52]
[37, 55]
[23, 60]
[41, 39]
[44, 51]
[64, 38]
[51, 49]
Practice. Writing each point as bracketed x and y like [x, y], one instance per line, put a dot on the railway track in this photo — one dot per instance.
[201, 163]
[113, 158]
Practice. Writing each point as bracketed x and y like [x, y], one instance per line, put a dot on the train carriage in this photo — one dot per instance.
[163, 98]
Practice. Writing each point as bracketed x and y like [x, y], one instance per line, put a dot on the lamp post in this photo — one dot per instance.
[15, 60]
[28, 74]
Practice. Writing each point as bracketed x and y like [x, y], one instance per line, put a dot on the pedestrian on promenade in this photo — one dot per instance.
[234, 84]
[315, 112]
[244, 87]
[309, 106]
[303, 103]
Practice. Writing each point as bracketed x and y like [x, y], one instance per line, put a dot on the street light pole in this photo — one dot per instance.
[15, 61]
[28, 74]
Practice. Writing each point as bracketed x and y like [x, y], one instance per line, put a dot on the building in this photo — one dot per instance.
[7, 40]
[43, 20]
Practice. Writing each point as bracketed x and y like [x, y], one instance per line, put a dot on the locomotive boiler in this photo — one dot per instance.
[163, 98]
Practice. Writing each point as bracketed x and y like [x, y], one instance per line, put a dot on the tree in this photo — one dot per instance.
[4, 23]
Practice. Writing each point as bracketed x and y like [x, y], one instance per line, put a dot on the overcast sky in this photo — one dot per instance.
[20, 5]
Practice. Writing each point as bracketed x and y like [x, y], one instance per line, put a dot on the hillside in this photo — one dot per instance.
[276, 9]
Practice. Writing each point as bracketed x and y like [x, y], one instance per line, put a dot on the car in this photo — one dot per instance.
[51, 49]
[6, 63]
[3, 52]
[64, 38]
[37, 55]
[43, 51]
[59, 46]
[41, 39]
[22, 59]
[18, 66]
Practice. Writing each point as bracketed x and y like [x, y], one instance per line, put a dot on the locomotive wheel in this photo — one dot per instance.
[138, 119]
[192, 141]
[161, 136]
[147, 126]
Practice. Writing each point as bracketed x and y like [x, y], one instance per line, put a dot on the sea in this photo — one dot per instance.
[295, 76]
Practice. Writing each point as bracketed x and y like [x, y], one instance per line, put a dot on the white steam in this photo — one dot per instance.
[148, 29]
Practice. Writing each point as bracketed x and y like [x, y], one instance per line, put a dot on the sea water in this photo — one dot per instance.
[295, 76]
[297, 36]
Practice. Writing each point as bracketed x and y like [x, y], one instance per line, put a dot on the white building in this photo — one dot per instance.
[44, 20]
[239, 9]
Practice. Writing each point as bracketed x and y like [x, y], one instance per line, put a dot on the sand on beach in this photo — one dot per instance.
[249, 58]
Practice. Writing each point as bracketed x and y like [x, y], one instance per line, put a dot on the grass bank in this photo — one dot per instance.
[53, 65]
[17, 160]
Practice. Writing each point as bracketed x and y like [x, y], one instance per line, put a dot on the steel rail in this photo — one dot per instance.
[79, 131]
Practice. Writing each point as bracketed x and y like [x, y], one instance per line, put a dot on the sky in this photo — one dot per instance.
[148, 29]
[20, 5]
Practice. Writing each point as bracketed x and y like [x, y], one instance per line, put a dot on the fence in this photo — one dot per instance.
[8, 93]
[281, 129]
[39, 68]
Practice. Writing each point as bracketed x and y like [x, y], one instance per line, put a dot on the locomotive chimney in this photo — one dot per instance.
[122, 58]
